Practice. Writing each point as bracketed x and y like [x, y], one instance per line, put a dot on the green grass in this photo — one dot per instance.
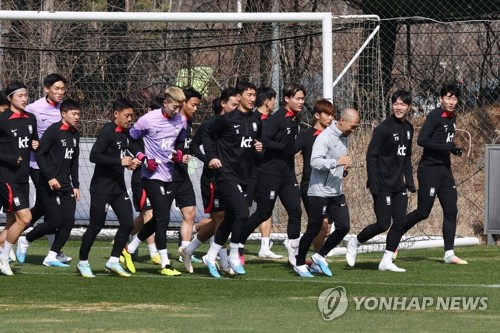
[269, 298]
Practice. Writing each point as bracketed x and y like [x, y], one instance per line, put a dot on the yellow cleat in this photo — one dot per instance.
[170, 271]
[129, 263]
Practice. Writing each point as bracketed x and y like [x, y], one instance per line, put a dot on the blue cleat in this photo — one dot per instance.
[84, 270]
[21, 249]
[54, 263]
[212, 269]
[237, 268]
[303, 271]
[322, 264]
[116, 268]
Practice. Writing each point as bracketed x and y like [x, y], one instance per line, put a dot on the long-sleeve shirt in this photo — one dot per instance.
[196, 144]
[58, 155]
[17, 131]
[231, 138]
[278, 139]
[388, 158]
[436, 137]
[46, 114]
[303, 144]
[180, 169]
[161, 134]
[112, 144]
[326, 175]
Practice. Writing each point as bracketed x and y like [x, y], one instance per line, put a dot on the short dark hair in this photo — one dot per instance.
[263, 94]
[243, 86]
[123, 103]
[324, 106]
[156, 103]
[191, 92]
[216, 106]
[225, 94]
[404, 95]
[451, 89]
[13, 86]
[292, 88]
[50, 79]
[3, 98]
[69, 104]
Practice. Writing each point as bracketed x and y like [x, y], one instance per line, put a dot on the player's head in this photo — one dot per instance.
[266, 98]
[123, 112]
[193, 98]
[401, 103]
[70, 112]
[323, 111]
[348, 122]
[173, 101]
[4, 102]
[228, 100]
[246, 93]
[450, 96]
[216, 107]
[54, 86]
[17, 95]
[294, 96]
[156, 103]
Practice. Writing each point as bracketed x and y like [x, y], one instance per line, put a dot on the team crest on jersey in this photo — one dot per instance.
[254, 126]
[30, 128]
[408, 135]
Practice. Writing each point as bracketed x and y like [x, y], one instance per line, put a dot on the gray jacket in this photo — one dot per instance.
[326, 176]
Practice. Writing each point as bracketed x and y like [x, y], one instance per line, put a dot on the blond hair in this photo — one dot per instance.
[176, 94]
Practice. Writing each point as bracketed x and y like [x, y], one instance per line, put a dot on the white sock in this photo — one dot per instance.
[264, 244]
[211, 240]
[185, 243]
[213, 251]
[387, 258]
[241, 246]
[51, 256]
[223, 258]
[51, 238]
[134, 244]
[6, 250]
[357, 241]
[295, 242]
[449, 253]
[113, 260]
[83, 262]
[152, 250]
[164, 257]
[193, 245]
[233, 252]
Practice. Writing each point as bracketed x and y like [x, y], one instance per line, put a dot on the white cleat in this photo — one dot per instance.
[186, 259]
[269, 255]
[352, 251]
[390, 267]
[5, 267]
[292, 252]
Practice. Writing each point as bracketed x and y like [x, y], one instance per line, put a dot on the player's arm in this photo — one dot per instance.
[425, 136]
[270, 128]
[196, 143]
[408, 167]
[209, 137]
[98, 152]
[46, 145]
[75, 180]
[372, 156]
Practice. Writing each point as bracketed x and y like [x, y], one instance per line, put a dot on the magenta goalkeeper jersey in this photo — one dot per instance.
[160, 134]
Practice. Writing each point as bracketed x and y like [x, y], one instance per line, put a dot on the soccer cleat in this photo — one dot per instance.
[352, 251]
[313, 268]
[116, 268]
[322, 264]
[241, 255]
[303, 271]
[22, 248]
[195, 260]
[453, 259]
[84, 270]
[292, 252]
[227, 270]
[186, 259]
[395, 255]
[391, 267]
[129, 262]
[169, 270]
[156, 259]
[12, 255]
[269, 254]
[121, 259]
[5, 267]
[237, 267]
[212, 269]
[63, 258]
[54, 263]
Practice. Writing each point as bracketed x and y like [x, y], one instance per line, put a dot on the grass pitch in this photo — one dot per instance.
[269, 298]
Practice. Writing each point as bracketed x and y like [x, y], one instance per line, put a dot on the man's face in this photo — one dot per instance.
[449, 102]
[55, 93]
[18, 100]
[171, 107]
[191, 106]
[71, 117]
[347, 127]
[270, 104]
[296, 102]
[400, 109]
[3, 108]
[247, 100]
[324, 119]
[123, 118]
[230, 105]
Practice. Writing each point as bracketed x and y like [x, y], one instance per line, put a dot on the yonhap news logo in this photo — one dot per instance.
[333, 303]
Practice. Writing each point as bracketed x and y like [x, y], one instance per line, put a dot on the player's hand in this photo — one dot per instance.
[185, 159]
[345, 161]
[258, 145]
[35, 144]
[126, 161]
[215, 163]
[76, 192]
[457, 151]
[151, 164]
[177, 156]
[19, 160]
[54, 184]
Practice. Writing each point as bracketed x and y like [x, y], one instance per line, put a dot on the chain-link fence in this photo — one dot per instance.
[103, 61]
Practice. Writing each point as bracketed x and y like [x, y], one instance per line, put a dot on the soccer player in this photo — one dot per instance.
[185, 198]
[111, 153]
[229, 143]
[162, 130]
[18, 137]
[434, 170]
[276, 177]
[329, 159]
[57, 160]
[212, 198]
[390, 175]
[323, 111]
[46, 111]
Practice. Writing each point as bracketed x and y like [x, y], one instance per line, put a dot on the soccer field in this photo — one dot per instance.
[429, 297]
